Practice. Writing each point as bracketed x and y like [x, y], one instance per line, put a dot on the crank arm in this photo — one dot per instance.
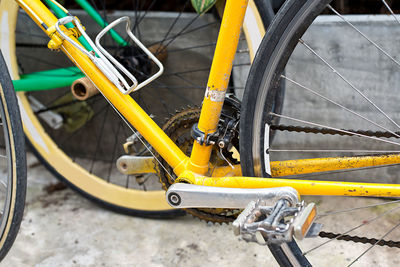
[128, 164]
[182, 195]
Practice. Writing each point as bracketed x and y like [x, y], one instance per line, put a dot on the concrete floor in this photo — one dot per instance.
[61, 228]
[64, 229]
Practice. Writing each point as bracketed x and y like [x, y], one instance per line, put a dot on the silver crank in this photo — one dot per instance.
[270, 216]
[197, 196]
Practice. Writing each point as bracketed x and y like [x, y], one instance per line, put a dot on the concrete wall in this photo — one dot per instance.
[368, 69]
[365, 67]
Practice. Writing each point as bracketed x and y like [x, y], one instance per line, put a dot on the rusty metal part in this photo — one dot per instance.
[326, 164]
[83, 89]
[160, 51]
[363, 240]
[129, 164]
[178, 128]
[316, 130]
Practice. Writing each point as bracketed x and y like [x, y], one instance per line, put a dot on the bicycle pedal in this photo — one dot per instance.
[276, 224]
[304, 222]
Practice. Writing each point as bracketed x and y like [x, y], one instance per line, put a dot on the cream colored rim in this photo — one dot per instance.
[78, 176]
[14, 171]
[12, 151]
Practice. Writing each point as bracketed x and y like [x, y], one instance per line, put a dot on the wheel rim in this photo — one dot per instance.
[82, 179]
[8, 177]
[277, 146]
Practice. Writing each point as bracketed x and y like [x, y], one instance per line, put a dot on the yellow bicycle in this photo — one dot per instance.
[267, 132]
[56, 124]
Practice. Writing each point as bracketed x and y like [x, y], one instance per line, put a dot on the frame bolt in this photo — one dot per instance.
[174, 199]
[221, 144]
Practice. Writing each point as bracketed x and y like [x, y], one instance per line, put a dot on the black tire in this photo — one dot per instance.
[274, 52]
[13, 143]
[300, 44]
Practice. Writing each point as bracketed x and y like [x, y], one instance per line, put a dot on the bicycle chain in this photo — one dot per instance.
[343, 132]
[222, 218]
[177, 127]
[363, 240]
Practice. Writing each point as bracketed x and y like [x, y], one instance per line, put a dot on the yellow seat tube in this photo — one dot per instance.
[218, 80]
[125, 104]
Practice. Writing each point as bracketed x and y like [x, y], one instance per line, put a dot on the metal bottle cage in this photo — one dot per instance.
[108, 65]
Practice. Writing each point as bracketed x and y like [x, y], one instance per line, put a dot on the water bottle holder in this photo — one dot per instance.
[107, 64]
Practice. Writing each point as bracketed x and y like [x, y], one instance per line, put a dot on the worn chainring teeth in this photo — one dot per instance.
[184, 120]
[191, 115]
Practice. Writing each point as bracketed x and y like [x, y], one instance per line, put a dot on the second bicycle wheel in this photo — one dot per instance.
[12, 163]
[341, 101]
[80, 141]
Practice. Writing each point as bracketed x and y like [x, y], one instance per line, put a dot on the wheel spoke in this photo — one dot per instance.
[364, 223]
[374, 245]
[339, 105]
[114, 151]
[172, 26]
[363, 35]
[336, 129]
[186, 32]
[98, 138]
[348, 82]
[391, 11]
[358, 208]
[62, 142]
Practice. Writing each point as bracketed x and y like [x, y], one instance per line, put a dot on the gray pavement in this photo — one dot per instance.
[64, 229]
[61, 228]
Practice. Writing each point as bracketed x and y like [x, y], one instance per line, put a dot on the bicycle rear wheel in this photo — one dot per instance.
[90, 168]
[333, 67]
[12, 163]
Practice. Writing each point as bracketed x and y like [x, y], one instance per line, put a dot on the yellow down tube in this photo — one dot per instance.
[125, 104]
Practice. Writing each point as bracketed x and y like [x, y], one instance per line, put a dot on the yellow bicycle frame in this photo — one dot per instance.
[194, 169]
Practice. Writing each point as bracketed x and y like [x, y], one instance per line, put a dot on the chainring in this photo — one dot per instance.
[178, 128]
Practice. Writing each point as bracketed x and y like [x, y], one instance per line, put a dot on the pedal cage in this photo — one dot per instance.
[108, 65]
[276, 224]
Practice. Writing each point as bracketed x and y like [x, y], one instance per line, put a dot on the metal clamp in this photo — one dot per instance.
[108, 65]
[201, 138]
